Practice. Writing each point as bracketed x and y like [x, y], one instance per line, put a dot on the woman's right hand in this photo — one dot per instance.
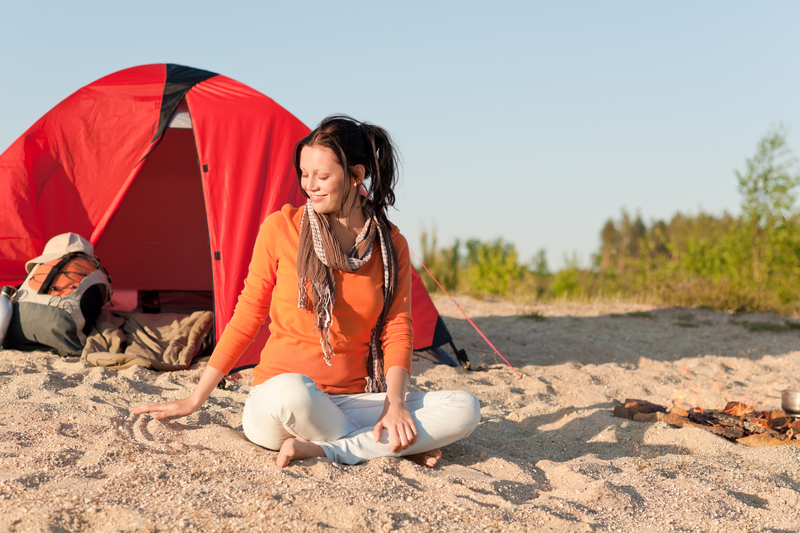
[210, 378]
[183, 407]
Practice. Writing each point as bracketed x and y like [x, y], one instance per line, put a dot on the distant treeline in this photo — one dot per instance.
[750, 262]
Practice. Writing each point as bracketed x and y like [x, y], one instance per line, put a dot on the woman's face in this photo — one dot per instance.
[323, 179]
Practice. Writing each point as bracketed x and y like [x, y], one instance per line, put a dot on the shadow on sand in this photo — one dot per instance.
[666, 334]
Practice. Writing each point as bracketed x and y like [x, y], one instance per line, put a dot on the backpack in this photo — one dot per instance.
[58, 303]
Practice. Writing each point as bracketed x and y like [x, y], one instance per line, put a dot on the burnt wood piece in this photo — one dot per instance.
[729, 420]
[729, 432]
[644, 407]
[621, 412]
[712, 418]
[775, 414]
[650, 418]
[779, 424]
[679, 412]
[778, 421]
[674, 420]
[701, 417]
[732, 432]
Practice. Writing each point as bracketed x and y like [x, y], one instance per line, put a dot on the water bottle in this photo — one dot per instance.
[7, 294]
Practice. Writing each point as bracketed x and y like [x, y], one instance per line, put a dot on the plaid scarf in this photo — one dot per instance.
[318, 254]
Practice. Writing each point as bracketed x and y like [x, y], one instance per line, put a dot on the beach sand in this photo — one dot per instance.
[547, 456]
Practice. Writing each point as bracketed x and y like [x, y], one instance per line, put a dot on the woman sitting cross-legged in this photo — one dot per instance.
[334, 277]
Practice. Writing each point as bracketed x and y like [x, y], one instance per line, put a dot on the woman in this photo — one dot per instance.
[334, 277]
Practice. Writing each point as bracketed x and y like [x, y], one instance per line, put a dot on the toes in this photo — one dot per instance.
[286, 454]
[432, 457]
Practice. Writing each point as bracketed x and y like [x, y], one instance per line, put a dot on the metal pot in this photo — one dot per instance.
[790, 402]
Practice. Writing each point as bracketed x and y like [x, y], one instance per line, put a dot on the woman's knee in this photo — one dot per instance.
[470, 408]
[290, 391]
[261, 426]
[274, 404]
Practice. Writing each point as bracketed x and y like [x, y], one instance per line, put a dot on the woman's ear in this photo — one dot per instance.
[358, 175]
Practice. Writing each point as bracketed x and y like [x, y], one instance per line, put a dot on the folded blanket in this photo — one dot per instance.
[165, 341]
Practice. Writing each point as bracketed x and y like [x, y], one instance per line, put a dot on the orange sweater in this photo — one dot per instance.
[294, 346]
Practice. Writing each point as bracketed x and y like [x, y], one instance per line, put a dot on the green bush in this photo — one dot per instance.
[492, 268]
[487, 268]
[567, 283]
[444, 263]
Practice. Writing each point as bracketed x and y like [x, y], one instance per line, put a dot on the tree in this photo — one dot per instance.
[609, 237]
[541, 272]
[768, 194]
[769, 182]
[539, 263]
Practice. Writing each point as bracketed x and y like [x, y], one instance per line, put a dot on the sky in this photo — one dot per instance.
[529, 121]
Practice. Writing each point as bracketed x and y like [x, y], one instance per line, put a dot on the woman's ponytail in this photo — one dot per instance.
[383, 156]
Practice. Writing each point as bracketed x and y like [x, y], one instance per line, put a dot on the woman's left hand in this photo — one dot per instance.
[400, 425]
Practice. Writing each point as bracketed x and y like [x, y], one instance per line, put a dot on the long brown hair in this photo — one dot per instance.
[358, 143]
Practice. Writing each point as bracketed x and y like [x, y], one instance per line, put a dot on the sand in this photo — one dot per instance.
[547, 456]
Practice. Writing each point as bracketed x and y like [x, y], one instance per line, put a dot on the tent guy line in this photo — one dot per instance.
[465, 314]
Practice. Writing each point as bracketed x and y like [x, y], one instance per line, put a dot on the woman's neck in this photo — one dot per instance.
[347, 224]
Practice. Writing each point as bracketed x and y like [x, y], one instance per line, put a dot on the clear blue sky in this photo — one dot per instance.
[534, 121]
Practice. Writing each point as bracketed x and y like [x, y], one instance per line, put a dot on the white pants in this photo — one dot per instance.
[291, 405]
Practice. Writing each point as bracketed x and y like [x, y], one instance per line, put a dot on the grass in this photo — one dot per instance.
[534, 315]
[633, 314]
[755, 327]
[764, 326]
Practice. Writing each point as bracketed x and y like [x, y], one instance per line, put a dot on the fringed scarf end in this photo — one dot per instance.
[302, 294]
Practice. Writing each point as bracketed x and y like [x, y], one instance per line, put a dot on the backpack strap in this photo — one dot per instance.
[51, 276]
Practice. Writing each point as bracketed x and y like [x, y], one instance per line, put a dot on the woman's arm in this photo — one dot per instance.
[186, 406]
[395, 418]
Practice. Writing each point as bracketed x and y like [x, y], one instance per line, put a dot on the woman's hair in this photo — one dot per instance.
[358, 143]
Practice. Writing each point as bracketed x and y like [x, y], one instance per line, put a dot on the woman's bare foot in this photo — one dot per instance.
[429, 458]
[293, 449]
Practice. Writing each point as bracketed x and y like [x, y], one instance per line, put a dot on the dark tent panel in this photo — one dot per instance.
[161, 222]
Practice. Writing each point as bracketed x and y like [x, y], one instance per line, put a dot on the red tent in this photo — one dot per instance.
[169, 171]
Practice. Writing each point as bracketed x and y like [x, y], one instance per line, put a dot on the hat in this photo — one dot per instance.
[59, 246]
